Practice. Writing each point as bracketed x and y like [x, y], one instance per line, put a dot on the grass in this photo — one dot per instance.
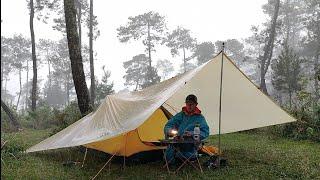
[250, 156]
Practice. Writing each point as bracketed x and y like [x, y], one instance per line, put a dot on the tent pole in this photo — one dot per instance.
[125, 148]
[84, 158]
[221, 77]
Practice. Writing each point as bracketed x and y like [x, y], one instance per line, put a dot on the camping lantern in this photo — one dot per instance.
[173, 133]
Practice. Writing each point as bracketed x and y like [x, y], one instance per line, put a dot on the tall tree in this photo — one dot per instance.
[105, 87]
[19, 53]
[204, 52]
[48, 49]
[180, 39]
[265, 60]
[92, 89]
[62, 67]
[75, 57]
[6, 67]
[34, 58]
[290, 19]
[55, 95]
[136, 71]
[287, 74]
[149, 27]
[312, 42]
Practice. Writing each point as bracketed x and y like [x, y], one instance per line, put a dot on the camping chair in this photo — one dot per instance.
[192, 160]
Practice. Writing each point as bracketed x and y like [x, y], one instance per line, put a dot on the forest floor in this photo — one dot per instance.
[250, 156]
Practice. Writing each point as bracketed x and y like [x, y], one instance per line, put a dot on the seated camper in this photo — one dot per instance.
[184, 123]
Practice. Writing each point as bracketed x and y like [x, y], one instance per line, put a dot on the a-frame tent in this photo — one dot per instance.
[126, 123]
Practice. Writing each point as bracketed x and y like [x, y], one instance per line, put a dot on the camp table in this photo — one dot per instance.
[175, 144]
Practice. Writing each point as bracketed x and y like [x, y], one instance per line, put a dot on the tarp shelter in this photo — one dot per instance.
[126, 123]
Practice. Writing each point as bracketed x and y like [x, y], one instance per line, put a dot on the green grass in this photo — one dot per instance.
[250, 156]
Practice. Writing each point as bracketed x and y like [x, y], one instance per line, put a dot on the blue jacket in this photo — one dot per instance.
[183, 122]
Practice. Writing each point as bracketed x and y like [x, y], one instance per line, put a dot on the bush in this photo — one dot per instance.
[42, 118]
[6, 126]
[13, 145]
[307, 125]
[66, 117]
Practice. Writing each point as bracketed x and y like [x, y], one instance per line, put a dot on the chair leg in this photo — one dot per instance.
[167, 162]
[187, 160]
[199, 165]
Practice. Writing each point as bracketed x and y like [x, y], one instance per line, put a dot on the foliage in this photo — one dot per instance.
[42, 118]
[137, 72]
[13, 146]
[151, 77]
[307, 113]
[148, 27]
[165, 67]
[6, 67]
[234, 49]
[287, 76]
[180, 39]
[105, 87]
[6, 126]
[204, 52]
[64, 118]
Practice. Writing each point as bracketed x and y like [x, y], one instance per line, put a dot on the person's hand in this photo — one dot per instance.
[187, 133]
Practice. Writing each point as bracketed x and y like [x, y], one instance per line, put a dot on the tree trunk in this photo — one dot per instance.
[79, 22]
[27, 90]
[11, 116]
[268, 49]
[316, 78]
[290, 99]
[2, 69]
[184, 60]
[34, 60]
[20, 88]
[5, 86]
[75, 57]
[68, 89]
[49, 77]
[93, 88]
[149, 51]
[149, 45]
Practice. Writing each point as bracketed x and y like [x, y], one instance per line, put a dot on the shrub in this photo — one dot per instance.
[13, 145]
[6, 126]
[306, 127]
[42, 118]
[66, 117]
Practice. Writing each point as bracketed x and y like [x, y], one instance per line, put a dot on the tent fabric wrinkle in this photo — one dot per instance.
[125, 122]
[119, 113]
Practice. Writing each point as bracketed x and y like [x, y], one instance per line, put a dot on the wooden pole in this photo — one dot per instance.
[220, 106]
[84, 158]
[104, 166]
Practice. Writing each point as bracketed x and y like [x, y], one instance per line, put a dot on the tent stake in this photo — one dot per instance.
[84, 158]
[221, 77]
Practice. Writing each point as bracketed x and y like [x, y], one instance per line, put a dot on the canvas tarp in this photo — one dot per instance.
[244, 106]
[118, 114]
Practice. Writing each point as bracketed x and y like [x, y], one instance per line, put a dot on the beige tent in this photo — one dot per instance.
[126, 123]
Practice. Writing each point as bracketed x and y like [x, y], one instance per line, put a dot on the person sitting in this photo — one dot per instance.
[184, 122]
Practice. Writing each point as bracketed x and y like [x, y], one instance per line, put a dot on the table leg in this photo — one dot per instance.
[165, 159]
